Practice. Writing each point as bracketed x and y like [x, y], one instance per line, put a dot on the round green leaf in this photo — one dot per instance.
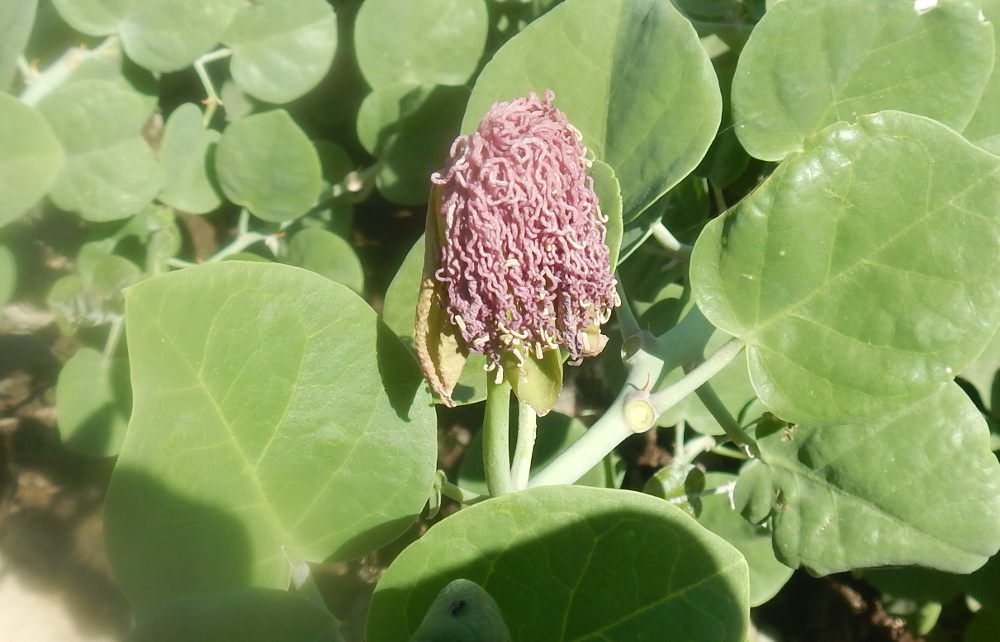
[810, 63]
[94, 17]
[110, 171]
[327, 254]
[555, 433]
[826, 270]
[574, 563]
[268, 165]
[399, 313]
[8, 275]
[281, 48]
[248, 615]
[382, 111]
[168, 35]
[30, 158]
[420, 146]
[420, 41]
[984, 128]
[93, 402]
[275, 420]
[16, 19]
[767, 574]
[641, 89]
[915, 487]
[185, 153]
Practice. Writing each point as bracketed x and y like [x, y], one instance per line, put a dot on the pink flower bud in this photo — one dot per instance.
[524, 261]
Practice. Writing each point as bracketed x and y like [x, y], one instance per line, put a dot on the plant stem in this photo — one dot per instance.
[670, 242]
[459, 494]
[526, 425]
[496, 438]
[693, 448]
[673, 394]
[724, 489]
[114, 335]
[734, 431]
[213, 100]
[39, 85]
[614, 426]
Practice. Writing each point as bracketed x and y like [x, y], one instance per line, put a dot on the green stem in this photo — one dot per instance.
[693, 448]
[670, 242]
[734, 431]
[39, 85]
[213, 100]
[496, 437]
[114, 335]
[459, 494]
[672, 395]
[526, 426]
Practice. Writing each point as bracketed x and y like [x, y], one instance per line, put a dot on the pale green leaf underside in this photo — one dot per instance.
[110, 171]
[30, 157]
[574, 563]
[919, 487]
[281, 50]
[631, 75]
[862, 273]
[275, 420]
[16, 20]
[810, 63]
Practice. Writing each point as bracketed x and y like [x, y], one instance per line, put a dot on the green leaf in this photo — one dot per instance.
[8, 274]
[93, 402]
[676, 481]
[826, 270]
[767, 574]
[275, 420]
[30, 158]
[536, 382]
[609, 195]
[94, 17]
[186, 155]
[916, 487]
[383, 110]
[267, 164]
[810, 63]
[248, 615]
[420, 146]
[16, 19]
[399, 310]
[463, 612]
[984, 128]
[281, 48]
[574, 563]
[617, 68]
[328, 254]
[110, 172]
[555, 433]
[420, 41]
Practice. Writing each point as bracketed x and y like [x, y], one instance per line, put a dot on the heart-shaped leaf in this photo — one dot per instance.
[574, 563]
[185, 153]
[617, 68]
[828, 270]
[110, 171]
[916, 487]
[275, 420]
[810, 63]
